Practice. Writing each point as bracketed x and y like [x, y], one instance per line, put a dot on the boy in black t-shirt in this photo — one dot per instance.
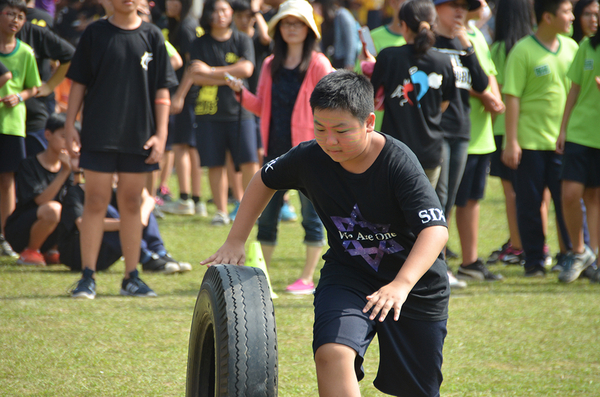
[122, 71]
[386, 231]
[41, 183]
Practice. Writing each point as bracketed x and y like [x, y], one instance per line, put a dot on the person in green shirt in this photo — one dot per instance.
[19, 59]
[579, 143]
[535, 88]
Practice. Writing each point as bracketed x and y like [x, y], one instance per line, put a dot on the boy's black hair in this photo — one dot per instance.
[20, 5]
[56, 121]
[542, 6]
[207, 14]
[240, 5]
[344, 90]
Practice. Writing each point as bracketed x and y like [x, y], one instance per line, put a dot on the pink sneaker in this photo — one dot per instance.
[299, 288]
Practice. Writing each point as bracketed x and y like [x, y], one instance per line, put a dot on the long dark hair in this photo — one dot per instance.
[280, 48]
[578, 12]
[419, 16]
[207, 14]
[514, 20]
[174, 25]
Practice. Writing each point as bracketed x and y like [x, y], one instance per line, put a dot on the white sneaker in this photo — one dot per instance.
[180, 207]
[184, 267]
[455, 283]
[220, 219]
[201, 209]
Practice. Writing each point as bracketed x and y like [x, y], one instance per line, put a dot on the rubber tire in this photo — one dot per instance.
[233, 340]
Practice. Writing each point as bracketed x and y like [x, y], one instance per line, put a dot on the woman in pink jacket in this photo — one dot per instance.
[287, 79]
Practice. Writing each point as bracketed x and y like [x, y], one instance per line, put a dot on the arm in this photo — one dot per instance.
[176, 61]
[202, 74]
[511, 156]
[4, 78]
[108, 225]
[55, 186]
[13, 100]
[427, 248]
[75, 101]
[571, 100]
[479, 80]
[147, 206]
[261, 25]
[256, 198]
[491, 99]
[178, 99]
[445, 105]
[57, 77]
[157, 141]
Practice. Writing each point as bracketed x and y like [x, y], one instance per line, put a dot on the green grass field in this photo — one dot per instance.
[520, 337]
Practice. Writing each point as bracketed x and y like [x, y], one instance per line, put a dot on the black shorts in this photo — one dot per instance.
[472, 185]
[410, 361]
[18, 228]
[182, 127]
[115, 162]
[581, 164]
[497, 167]
[215, 138]
[12, 152]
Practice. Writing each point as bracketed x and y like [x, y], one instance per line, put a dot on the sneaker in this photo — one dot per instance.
[6, 249]
[451, 254]
[497, 254]
[158, 214]
[52, 257]
[233, 213]
[31, 258]
[164, 193]
[512, 256]
[200, 209]
[595, 277]
[300, 288]
[220, 219]
[160, 264]
[575, 264]
[183, 266]
[287, 213]
[86, 286]
[180, 207]
[477, 271]
[560, 262]
[547, 255]
[134, 286]
[535, 272]
[456, 283]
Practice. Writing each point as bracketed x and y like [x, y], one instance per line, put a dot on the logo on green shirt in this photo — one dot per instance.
[588, 64]
[542, 70]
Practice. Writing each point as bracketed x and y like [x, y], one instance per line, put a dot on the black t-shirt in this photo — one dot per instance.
[3, 69]
[31, 180]
[284, 91]
[415, 88]
[218, 103]
[39, 17]
[122, 70]
[456, 122]
[372, 219]
[261, 51]
[182, 38]
[46, 45]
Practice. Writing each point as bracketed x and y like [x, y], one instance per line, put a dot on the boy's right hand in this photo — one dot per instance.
[73, 141]
[228, 254]
[511, 156]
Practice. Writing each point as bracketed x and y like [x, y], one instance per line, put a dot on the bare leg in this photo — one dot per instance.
[166, 167]
[572, 192]
[313, 254]
[248, 171]
[234, 178]
[591, 198]
[335, 371]
[267, 250]
[48, 217]
[511, 214]
[182, 167]
[218, 185]
[196, 172]
[467, 224]
[8, 198]
[129, 193]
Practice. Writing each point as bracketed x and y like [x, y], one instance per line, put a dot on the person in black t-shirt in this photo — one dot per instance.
[121, 63]
[41, 183]
[386, 231]
[5, 75]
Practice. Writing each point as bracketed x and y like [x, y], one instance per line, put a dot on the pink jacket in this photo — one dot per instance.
[302, 118]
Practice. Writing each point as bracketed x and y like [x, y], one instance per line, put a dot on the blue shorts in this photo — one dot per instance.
[12, 152]
[115, 162]
[472, 186]
[18, 228]
[410, 361]
[182, 127]
[581, 164]
[497, 167]
[215, 138]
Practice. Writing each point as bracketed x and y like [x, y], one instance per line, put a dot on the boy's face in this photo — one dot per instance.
[452, 14]
[341, 135]
[243, 20]
[57, 140]
[11, 20]
[563, 19]
[125, 6]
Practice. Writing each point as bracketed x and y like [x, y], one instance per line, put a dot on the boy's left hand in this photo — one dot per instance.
[391, 296]
[10, 101]
[158, 147]
[228, 254]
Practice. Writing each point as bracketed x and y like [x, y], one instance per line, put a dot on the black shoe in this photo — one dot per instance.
[160, 265]
[86, 286]
[450, 254]
[495, 255]
[134, 286]
[477, 271]
[535, 271]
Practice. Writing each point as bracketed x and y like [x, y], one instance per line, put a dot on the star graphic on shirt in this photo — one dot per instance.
[356, 231]
[146, 58]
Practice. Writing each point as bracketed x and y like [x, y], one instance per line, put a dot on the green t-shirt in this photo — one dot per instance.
[498, 50]
[382, 38]
[482, 133]
[539, 78]
[21, 63]
[170, 49]
[585, 116]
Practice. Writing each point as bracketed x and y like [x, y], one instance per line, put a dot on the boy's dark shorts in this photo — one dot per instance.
[12, 152]
[214, 138]
[115, 162]
[497, 167]
[410, 350]
[581, 164]
[18, 228]
[182, 127]
[472, 186]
